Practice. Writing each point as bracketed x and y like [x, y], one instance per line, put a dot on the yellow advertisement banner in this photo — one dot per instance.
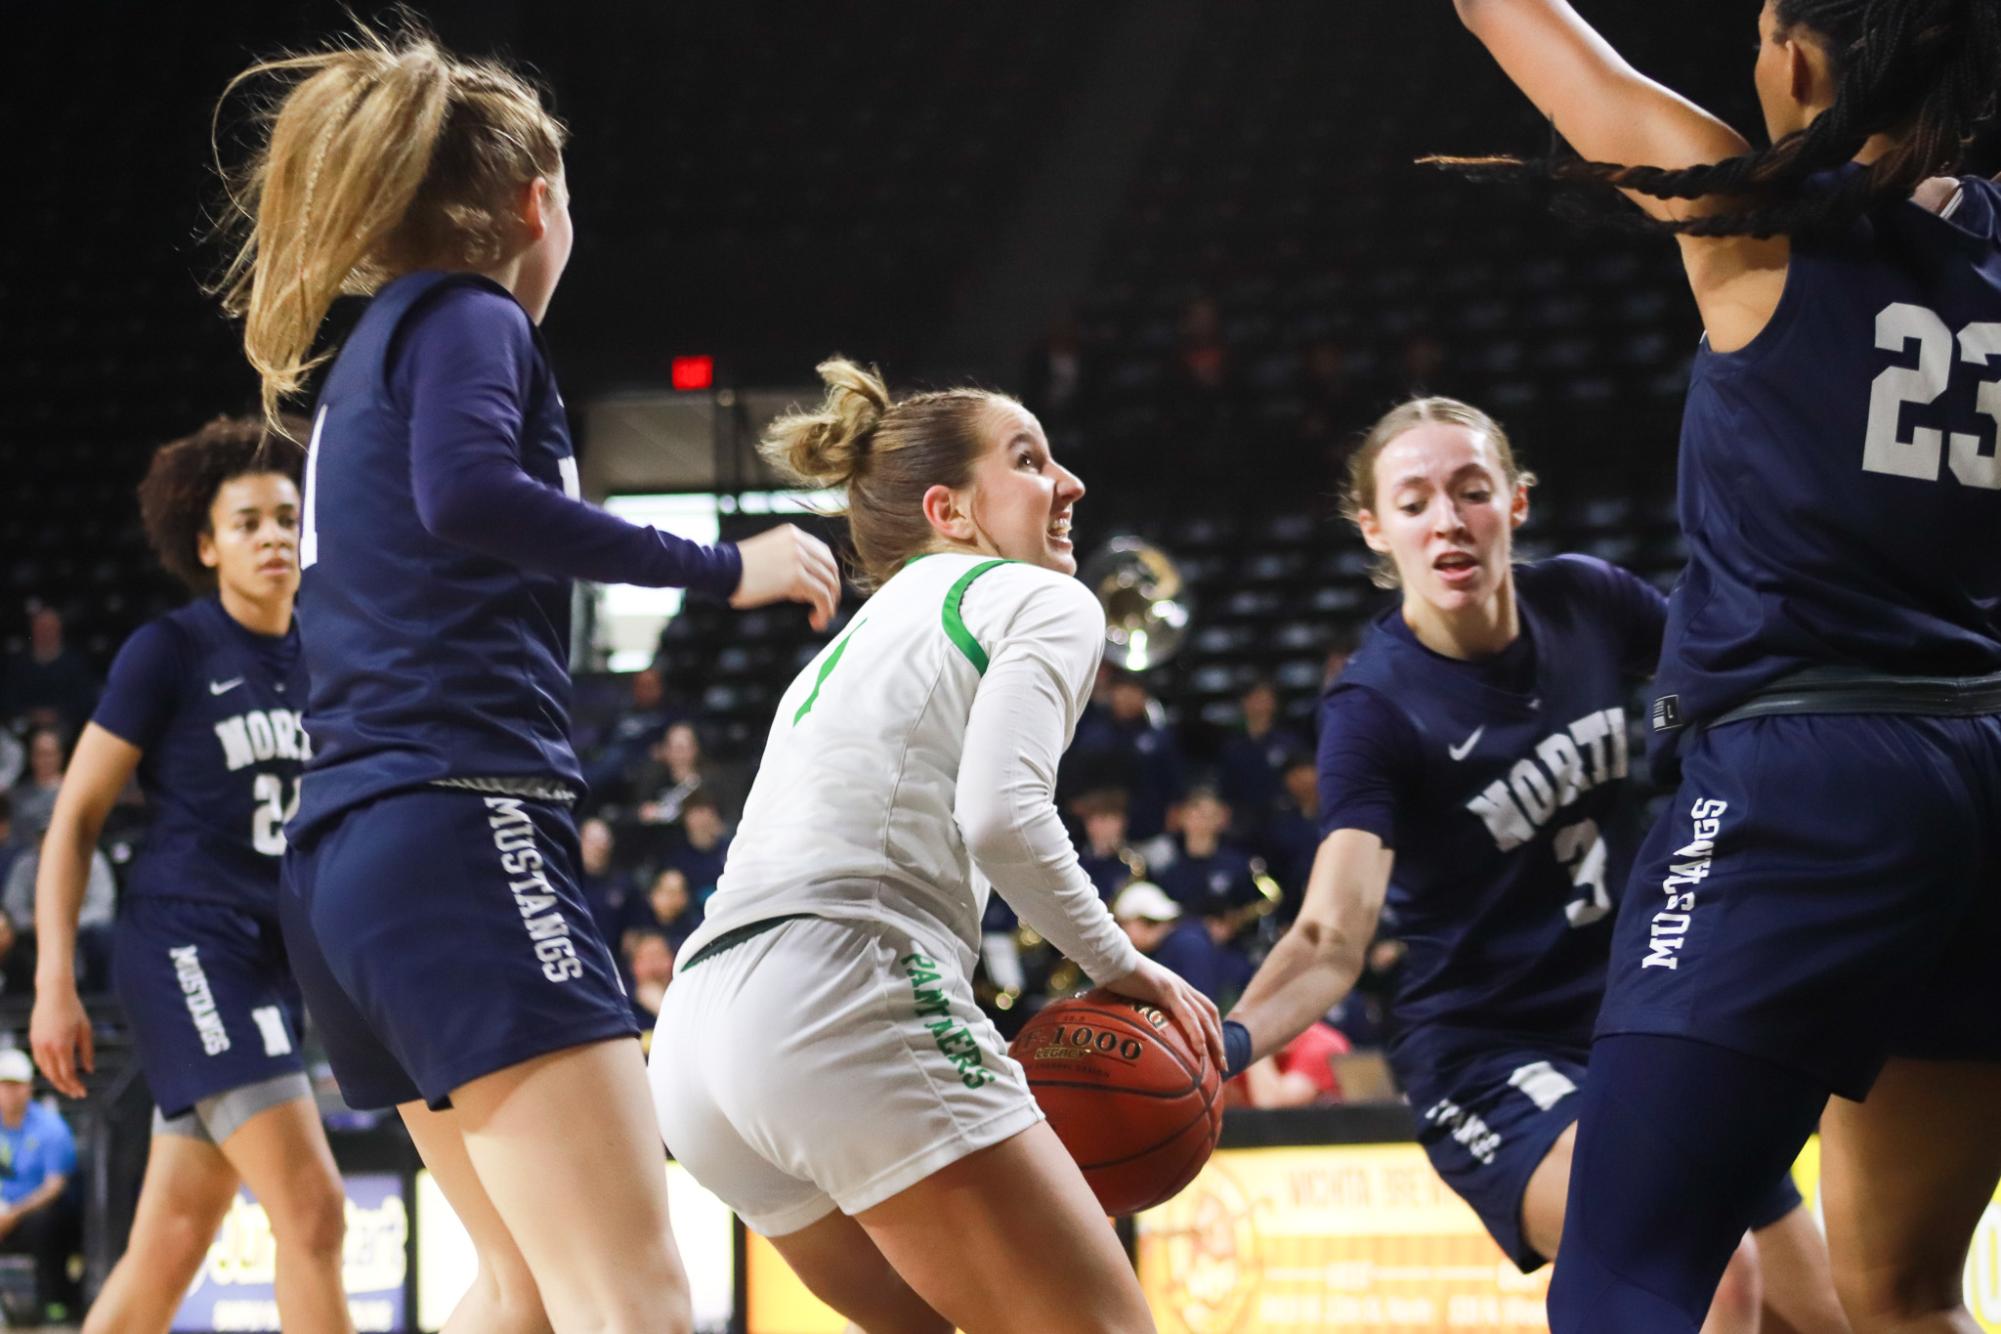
[1365, 1238]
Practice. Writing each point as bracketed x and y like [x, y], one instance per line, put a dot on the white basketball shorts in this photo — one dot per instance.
[825, 1064]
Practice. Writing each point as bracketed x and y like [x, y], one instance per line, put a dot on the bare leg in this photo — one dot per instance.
[1908, 1175]
[836, 1260]
[282, 1155]
[1735, 1308]
[1799, 1285]
[187, 1190]
[966, 1237]
[1542, 1202]
[503, 1298]
[569, 1152]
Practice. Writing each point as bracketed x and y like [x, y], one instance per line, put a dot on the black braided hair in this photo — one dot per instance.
[1925, 71]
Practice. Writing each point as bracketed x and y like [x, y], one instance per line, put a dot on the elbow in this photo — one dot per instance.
[444, 518]
[988, 836]
[1471, 12]
[1329, 945]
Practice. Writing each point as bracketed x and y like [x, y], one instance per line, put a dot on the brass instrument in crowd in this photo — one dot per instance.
[1145, 600]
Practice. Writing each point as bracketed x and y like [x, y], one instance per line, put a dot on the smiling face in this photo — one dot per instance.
[1019, 501]
[252, 539]
[1445, 513]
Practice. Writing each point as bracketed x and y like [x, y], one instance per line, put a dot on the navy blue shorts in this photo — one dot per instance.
[439, 935]
[1490, 1108]
[209, 995]
[1824, 892]
[1487, 1114]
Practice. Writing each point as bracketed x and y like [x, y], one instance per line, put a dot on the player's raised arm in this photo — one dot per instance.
[1606, 109]
[1315, 964]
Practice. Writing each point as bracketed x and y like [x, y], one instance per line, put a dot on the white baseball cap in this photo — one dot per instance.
[15, 1067]
[1145, 900]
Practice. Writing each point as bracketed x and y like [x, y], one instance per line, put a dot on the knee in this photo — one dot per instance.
[180, 1243]
[1740, 1292]
[508, 1297]
[314, 1220]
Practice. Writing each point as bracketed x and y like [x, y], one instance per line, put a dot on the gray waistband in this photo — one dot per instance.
[535, 789]
[1841, 690]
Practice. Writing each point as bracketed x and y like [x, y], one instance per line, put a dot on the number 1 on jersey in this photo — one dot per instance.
[826, 668]
[309, 528]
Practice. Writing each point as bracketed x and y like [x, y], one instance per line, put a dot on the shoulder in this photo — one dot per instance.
[1579, 580]
[166, 642]
[470, 307]
[1352, 712]
[468, 315]
[1016, 595]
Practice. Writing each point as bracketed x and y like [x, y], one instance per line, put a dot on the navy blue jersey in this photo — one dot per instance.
[1840, 481]
[442, 533]
[1498, 783]
[429, 660]
[214, 709]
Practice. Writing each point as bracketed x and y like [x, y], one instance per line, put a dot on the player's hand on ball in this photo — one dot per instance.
[789, 564]
[1195, 1012]
[59, 1034]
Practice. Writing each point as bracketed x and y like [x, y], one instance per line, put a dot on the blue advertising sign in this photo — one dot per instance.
[235, 1289]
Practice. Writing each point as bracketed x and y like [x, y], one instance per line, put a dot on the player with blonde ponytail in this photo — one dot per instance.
[430, 899]
[820, 1063]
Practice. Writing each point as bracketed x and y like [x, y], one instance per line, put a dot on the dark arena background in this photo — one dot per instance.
[1191, 235]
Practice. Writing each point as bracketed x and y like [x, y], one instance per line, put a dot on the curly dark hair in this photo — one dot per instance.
[185, 475]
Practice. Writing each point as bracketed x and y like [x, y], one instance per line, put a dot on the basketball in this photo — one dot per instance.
[1134, 1099]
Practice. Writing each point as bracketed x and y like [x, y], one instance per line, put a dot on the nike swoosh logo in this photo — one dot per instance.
[224, 687]
[1465, 748]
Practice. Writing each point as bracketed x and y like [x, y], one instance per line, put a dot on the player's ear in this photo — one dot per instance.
[1372, 531]
[205, 550]
[535, 202]
[949, 514]
[1803, 69]
[1518, 510]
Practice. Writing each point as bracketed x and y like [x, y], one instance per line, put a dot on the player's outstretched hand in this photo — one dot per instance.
[789, 564]
[1195, 1012]
[59, 1033]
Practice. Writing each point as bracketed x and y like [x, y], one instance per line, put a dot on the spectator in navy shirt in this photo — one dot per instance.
[1104, 854]
[1179, 941]
[649, 959]
[606, 888]
[1129, 747]
[1292, 836]
[49, 683]
[1253, 759]
[623, 754]
[668, 908]
[1208, 876]
[705, 844]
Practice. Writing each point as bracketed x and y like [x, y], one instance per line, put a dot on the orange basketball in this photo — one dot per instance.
[1135, 1100]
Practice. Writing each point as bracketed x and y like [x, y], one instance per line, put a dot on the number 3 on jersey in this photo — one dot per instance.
[1581, 851]
[1973, 461]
